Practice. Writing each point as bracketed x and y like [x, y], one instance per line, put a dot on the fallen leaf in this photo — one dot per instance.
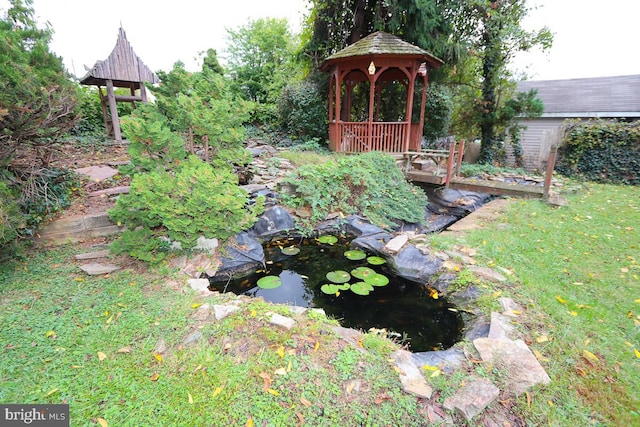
[429, 368]
[573, 313]
[101, 356]
[289, 366]
[267, 379]
[528, 399]
[317, 346]
[433, 293]
[300, 417]
[590, 356]
[305, 402]
[274, 392]
[52, 391]
[561, 300]
[190, 398]
[102, 422]
[435, 374]
[635, 350]
[254, 313]
[196, 305]
[542, 338]
[154, 377]
[50, 334]
[217, 391]
[249, 422]
[281, 351]
[124, 350]
[539, 356]
[280, 371]
[157, 356]
[350, 387]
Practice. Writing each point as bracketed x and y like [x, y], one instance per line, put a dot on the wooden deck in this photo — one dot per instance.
[442, 168]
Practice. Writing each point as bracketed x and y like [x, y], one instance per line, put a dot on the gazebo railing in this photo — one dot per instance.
[355, 137]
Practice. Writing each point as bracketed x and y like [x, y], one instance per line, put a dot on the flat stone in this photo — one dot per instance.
[522, 367]
[501, 327]
[410, 376]
[394, 245]
[208, 245]
[110, 191]
[222, 311]
[96, 269]
[282, 321]
[161, 346]
[192, 338]
[472, 398]
[447, 360]
[97, 173]
[296, 309]
[202, 313]
[487, 274]
[93, 255]
[510, 307]
[199, 284]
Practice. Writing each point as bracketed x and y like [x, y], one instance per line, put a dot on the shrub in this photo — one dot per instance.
[602, 151]
[369, 184]
[303, 111]
[10, 218]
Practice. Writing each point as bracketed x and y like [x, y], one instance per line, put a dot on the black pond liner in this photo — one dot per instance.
[402, 307]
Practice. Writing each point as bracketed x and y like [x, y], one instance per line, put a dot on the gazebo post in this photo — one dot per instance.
[409, 108]
[111, 97]
[372, 98]
[425, 81]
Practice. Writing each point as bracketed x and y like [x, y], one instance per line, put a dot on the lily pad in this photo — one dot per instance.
[290, 250]
[328, 239]
[377, 280]
[269, 282]
[376, 260]
[330, 288]
[338, 276]
[362, 272]
[360, 288]
[355, 255]
[344, 286]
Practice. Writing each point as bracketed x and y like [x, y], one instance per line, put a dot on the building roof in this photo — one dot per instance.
[381, 43]
[617, 96]
[122, 66]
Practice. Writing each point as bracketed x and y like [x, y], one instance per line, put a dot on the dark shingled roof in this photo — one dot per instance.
[381, 43]
[122, 66]
[587, 97]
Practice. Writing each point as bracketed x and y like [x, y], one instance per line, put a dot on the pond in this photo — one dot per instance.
[404, 308]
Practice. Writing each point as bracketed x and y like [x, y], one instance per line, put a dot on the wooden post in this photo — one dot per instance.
[114, 111]
[551, 164]
[452, 153]
[459, 159]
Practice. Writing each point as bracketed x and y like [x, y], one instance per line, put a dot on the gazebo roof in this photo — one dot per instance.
[381, 44]
[122, 66]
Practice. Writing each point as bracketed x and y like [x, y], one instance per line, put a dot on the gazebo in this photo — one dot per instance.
[121, 69]
[379, 60]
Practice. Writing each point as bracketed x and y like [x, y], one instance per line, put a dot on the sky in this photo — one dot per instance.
[592, 38]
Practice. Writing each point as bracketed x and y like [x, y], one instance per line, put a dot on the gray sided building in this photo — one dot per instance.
[615, 98]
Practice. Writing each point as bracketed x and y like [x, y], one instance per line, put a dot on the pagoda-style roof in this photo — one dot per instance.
[123, 67]
[381, 44]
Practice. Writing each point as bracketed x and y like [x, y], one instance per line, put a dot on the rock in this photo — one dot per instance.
[194, 266]
[487, 274]
[478, 327]
[93, 255]
[192, 338]
[161, 346]
[282, 321]
[395, 245]
[199, 285]
[207, 245]
[524, 370]
[472, 398]
[556, 200]
[222, 311]
[97, 173]
[202, 313]
[501, 327]
[413, 265]
[447, 360]
[510, 307]
[95, 269]
[295, 309]
[410, 376]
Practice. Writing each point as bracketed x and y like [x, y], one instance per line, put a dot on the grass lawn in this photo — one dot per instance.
[92, 341]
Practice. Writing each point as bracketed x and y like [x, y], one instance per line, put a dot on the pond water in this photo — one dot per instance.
[402, 307]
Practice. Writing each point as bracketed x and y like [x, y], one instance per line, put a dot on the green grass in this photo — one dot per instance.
[90, 342]
[577, 274]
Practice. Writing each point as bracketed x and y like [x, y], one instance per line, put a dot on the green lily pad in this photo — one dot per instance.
[344, 286]
[269, 282]
[338, 276]
[360, 288]
[328, 239]
[330, 288]
[377, 280]
[355, 255]
[362, 272]
[376, 260]
[290, 250]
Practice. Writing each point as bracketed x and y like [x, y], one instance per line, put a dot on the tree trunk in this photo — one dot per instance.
[490, 75]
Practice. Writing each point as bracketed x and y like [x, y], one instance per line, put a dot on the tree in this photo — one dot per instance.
[37, 97]
[492, 30]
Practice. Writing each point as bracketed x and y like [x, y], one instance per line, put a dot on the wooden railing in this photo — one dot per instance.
[356, 137]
